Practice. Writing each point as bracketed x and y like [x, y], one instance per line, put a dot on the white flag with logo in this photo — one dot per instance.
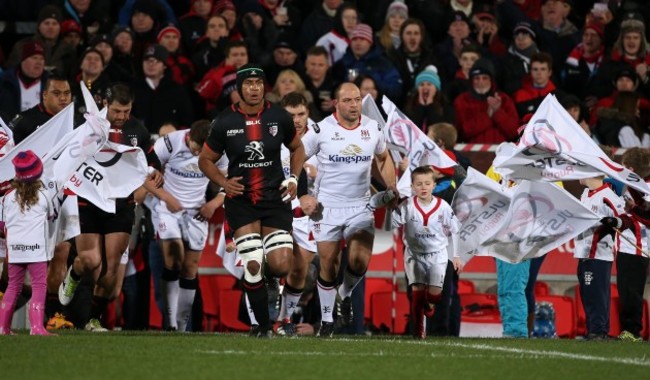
[113, 172]
[6, 138]
[230, 259]
[40, 141]
[554, 147]
[403, 135]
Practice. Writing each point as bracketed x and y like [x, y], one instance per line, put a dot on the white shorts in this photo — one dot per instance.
[3, 248]
[181, 225]
[341, 223]
[302, 233]
[425, 268]
[125, 257]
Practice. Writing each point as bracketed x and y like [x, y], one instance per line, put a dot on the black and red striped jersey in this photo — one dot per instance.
[253, 144]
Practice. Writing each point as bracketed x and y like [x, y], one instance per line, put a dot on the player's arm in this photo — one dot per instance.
[385, 171]
[289, 186]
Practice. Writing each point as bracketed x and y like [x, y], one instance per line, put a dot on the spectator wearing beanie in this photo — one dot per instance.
[486, 29]
[515, 64]
[163, 10]
[123, 67]
[285, 55]
[58, 56]
[158, 99]
[625, 80]
[389, 35]
[228, 11]
[21, 87]
[145, 21]
[427, 104]
[584, 62]
[71, 35]
[362, 57]
[483, 114]
[192, 25]
[336, 41]
[94, 17]
[180, 67]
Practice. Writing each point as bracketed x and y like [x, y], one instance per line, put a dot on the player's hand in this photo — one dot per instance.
[231, 247]
[305, 329]
[233, 187]
[458, 264]
[205, 212]
[611, 222]
[156, 178]
[309, 205]
[289, 188]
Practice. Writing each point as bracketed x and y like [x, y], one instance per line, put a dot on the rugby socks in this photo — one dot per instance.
[187, 291]
[170, 291]
[249, 310]
[434, 299]
[290, 298]
[327, 295]
[350, 281]
[259, 303]
[418, 298]
[98, 306]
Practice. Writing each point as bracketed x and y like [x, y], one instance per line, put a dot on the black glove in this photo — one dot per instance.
[611, 222]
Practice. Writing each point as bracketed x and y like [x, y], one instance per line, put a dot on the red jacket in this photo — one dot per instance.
[474, 126]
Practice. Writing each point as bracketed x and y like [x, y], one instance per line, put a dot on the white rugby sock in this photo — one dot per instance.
[350, 281]
[327, 295]
[170, 291]
[187, 291]
[249, 309]
[290, 299]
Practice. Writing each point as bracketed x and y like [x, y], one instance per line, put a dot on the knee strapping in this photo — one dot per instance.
[277, 239]
[250, 248]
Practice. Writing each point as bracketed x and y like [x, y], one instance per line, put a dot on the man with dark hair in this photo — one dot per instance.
[105, 236]
[319, 79]
[251, 133]
[21, 86]
[539, 84]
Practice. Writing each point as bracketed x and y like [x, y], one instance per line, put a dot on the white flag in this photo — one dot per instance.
[40, 141]
[403, 135]
[113, 172]
[6, 138]
[231, 260]
[519, 223]
[554, 147]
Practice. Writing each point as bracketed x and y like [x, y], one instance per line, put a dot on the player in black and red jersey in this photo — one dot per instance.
[258, 203]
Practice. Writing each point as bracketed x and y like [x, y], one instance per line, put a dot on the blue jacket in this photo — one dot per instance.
[10, 93]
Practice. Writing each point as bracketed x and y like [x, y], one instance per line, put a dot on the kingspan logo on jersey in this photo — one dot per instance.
[350, 154]
[256, 150]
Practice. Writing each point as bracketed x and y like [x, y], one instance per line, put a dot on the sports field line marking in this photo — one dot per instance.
[541, 353]
[343, 353]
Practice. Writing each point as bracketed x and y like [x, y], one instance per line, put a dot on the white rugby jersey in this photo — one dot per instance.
[183, 178]
[28, 234]
[344, 160]
[427, 227]
[604, 202]
[637, 234]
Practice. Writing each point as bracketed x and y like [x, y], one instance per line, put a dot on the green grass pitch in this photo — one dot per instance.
[151, 355]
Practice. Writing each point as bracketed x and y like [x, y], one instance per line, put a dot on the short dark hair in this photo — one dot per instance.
[294, 99]
[54, 78]
[422, 170]
[318, 50]
[199, 131]
[233, 44]
[120, 93]
[542, 57]
[638, 159]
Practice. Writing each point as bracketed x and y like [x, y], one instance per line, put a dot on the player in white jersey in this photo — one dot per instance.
[428, 224]
[180, 218]
[595, 249]
[345, 144]
[304, 245]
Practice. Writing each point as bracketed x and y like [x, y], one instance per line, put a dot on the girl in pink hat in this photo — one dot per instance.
[24, 214]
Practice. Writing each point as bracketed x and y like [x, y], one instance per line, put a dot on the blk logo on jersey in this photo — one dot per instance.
[253, 122]
[256, 149]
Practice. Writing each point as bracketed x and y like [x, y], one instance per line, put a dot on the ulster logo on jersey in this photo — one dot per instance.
[273, 130]
[365, 134]
[256, 149]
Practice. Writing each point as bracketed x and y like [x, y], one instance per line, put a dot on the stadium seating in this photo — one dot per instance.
[210, 294]
[565, 317]
[374, 285]
[381, 316]
[466, 287]
[480, 308]
[229, 300]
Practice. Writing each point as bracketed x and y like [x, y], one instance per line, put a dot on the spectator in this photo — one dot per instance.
[319, 79]
[71, 35]
[368, 86]
[227, 10]
[469, 54]
[158, 99]
[626, 79]
[285, 56]
[363, 57]
[210, 48]
[557, 36]
[336, 41]
[181, 68]
[91, 73]
[458, 35]
[165, 11]
[320, 21]
[486, 29]
[413, 53]
[123, 66]
[259, 32]
[483, 100]
[427, 103]
[515, 64]
[618, 125]
[146, 19]
[445, 136]
[285, 17]
[58, 56]
[537, 85]
[289, 81]
[92, 15]
[193, 24]
[583, 64]
[21, 87]
[577, 110]
[102, 43]
[389, 36]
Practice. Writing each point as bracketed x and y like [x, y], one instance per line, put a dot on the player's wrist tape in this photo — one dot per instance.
[292, 179]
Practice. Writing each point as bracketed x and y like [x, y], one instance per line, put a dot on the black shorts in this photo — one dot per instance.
[241, 212]
[94, 220]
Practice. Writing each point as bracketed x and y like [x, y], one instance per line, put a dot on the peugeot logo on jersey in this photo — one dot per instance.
[256, 149]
